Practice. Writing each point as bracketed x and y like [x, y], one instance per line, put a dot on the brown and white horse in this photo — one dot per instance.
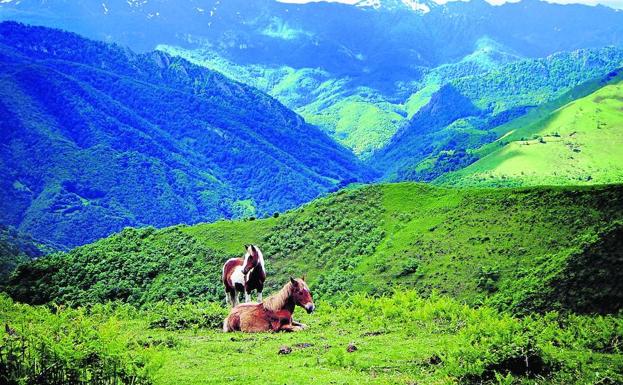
[244, 274]
[274, 314]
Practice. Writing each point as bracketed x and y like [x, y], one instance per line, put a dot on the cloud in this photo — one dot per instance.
[611, 3]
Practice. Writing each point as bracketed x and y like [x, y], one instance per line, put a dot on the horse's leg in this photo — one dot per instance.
[301, 325]
[227, 298]
[259, 296]
[226, 328]
[290, 328]
[235, 297]
[247, 297]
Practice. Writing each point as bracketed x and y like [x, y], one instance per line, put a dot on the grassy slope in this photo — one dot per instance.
[440, 239]
[576, 144]
[503, 246]
[472, 244]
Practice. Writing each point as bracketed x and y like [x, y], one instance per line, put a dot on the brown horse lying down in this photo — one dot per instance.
[274, 314]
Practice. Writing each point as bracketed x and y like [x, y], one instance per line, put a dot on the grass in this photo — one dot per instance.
[358, 123]
[577, 144]
[398, 339]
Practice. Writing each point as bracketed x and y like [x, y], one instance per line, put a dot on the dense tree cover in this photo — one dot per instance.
[97, 137]
[519, 249]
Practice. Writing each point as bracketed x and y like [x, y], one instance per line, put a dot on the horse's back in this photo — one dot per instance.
[247, 317]
[232, 269]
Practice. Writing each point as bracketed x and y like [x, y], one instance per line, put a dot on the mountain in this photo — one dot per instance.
[515, 248]
[96, 137]
[576, 144]
[358, 72]
[464, 113]
[17, 248]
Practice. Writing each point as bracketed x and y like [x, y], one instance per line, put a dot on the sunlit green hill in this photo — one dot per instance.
[579, 143]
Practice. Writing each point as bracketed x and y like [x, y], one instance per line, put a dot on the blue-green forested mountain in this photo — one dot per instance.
[96, 137]
[358, 72]
[413, 89]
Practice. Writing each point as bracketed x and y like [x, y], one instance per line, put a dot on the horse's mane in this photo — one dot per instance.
[278, 300]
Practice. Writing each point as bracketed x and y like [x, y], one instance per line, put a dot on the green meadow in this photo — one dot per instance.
[414, 284]
[395, 339]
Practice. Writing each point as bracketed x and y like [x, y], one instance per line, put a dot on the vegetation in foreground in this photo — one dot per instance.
[398, 339]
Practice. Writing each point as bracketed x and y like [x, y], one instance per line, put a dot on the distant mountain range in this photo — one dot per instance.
[246, 108]
[355, 71]
[95, 137]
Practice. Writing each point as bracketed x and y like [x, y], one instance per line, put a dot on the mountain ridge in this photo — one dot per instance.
[217, 148]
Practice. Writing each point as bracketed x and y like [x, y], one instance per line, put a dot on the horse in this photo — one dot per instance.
[275, 313]
[244, 274]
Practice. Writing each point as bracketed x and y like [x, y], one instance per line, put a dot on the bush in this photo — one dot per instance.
[67, 346]
[186, 315]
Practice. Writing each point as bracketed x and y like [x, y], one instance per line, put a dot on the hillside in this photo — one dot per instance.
[96, 138]
[361, 116]
[464, 113]
[576, 144]
[17, 248]
[515, 248]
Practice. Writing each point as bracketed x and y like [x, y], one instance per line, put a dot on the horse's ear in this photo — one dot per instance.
[304, 278]
[246, 247]
[294, 281]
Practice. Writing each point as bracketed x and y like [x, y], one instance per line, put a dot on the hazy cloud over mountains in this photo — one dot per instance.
[612, 3]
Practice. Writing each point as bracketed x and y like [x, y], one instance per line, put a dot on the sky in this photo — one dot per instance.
[612, 3]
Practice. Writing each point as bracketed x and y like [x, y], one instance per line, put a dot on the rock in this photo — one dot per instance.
[434, 360]
[351, 347]
[285, 350]
[303, 345]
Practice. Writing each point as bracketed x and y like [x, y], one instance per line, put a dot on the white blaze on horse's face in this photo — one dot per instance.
[252, 258]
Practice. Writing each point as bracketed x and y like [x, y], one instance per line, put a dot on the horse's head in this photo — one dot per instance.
[252, 258]
[301, 294]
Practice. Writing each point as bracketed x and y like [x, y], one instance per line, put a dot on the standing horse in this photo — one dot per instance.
[274, 314]
[244, 274]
